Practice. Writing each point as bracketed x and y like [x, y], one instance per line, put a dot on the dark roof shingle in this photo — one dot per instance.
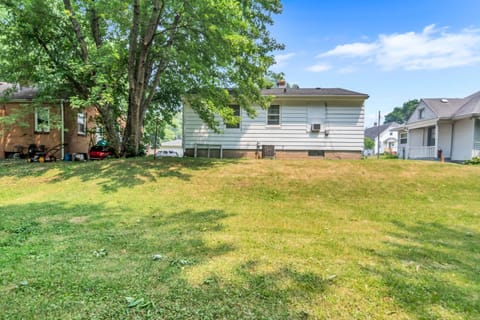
[327, 92]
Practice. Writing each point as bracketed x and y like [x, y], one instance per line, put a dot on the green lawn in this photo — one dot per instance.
[372, 239]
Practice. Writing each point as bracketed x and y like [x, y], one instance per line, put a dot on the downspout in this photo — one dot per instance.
[183, 128]
[435, 154]
[451, 140]
[63, 129]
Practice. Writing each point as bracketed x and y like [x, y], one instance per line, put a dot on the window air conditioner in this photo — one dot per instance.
[315, 127]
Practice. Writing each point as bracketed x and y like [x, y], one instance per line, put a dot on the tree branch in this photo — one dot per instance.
[95, 26]
[161, 65]
[78, 31]
[57, 65]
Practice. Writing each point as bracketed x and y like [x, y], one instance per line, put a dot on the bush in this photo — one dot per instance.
[474, 161]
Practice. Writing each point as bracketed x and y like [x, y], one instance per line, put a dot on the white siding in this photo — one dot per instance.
[444, 139]
[416, 137]
[427, 114]
[344, 124]
[463, 140]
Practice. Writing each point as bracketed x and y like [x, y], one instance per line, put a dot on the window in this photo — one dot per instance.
[431, 136]
[236, 115]
[42, 120]
[421, 113]
[403, 138]
[82, 123]
[273, 115]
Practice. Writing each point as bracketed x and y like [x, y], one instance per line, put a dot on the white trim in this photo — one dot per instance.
[422, 124]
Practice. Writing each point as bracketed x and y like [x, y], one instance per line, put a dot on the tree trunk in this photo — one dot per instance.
[109, 120]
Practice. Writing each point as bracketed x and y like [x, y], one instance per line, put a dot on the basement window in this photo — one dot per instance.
[316, 153]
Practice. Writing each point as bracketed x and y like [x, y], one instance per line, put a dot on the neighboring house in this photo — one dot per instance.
[448, 128]
[388, 138]
[175, 145]
[300, 123]
[34, 125]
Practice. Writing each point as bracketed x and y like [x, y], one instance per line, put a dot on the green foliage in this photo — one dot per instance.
[132, 58]
[401, 114]
[368, 143]
[169, 128]
[474, 161]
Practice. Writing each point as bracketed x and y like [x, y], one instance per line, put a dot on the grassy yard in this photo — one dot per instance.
[206, 239]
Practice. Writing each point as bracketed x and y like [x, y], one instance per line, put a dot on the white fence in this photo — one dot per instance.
[422, 152]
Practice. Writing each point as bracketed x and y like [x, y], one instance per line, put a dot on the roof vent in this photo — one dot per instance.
[444, 100]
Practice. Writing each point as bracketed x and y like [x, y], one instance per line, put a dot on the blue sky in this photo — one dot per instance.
[393, 50]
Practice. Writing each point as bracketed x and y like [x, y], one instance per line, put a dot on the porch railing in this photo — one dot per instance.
[422, 152]
[476, 149]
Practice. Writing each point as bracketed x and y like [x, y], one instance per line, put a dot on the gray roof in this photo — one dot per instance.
[455, 108]
[12, 92]
[471, 108]
[326, 92]
[372, 132]
[444, 108]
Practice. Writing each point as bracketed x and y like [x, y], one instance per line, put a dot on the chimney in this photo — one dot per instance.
[282, 83]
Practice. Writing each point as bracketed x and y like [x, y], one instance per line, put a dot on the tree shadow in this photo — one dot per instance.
[114, 173]
[432, 270]
[82, 261]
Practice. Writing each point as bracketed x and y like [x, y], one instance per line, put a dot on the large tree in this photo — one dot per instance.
[131, 57]
[401, 114]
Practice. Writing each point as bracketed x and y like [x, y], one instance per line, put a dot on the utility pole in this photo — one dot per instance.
[378, 136]
[155, 140]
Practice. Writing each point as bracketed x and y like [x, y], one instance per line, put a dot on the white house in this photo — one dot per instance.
[444, 127]
[300, 123]
[387, 135]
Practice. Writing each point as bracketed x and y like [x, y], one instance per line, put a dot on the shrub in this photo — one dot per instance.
[474, 161]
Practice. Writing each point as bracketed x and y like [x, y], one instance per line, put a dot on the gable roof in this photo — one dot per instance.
[455, 108]
[372, 132]
[18, 93]
[471, 108]
[324, 92]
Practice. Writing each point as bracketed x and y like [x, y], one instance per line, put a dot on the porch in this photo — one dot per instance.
[422, 152]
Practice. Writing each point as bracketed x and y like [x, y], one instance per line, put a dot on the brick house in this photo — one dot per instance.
[24, 123]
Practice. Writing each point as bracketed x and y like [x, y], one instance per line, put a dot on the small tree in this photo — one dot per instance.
[368, 143]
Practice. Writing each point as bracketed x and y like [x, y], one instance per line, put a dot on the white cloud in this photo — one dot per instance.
[432, 48]
[321, 67]
[281, 59]
[352, 50]
[347, 70]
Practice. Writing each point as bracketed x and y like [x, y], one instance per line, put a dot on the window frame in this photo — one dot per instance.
[421, 113]
[431, 135]
[403, 138]
[84, 132]
[279, 115]
[237, 112]
[39, 122]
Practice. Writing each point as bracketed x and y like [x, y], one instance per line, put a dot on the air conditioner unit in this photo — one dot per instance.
[315, 127]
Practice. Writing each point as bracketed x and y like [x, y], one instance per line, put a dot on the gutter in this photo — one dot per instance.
[62, 108]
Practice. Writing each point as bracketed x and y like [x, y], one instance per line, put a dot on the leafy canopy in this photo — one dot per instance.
[401, 114]
[129, 58]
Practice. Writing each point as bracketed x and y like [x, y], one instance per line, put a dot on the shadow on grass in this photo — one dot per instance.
[63, 261]
[114, 173]
[432, 271]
